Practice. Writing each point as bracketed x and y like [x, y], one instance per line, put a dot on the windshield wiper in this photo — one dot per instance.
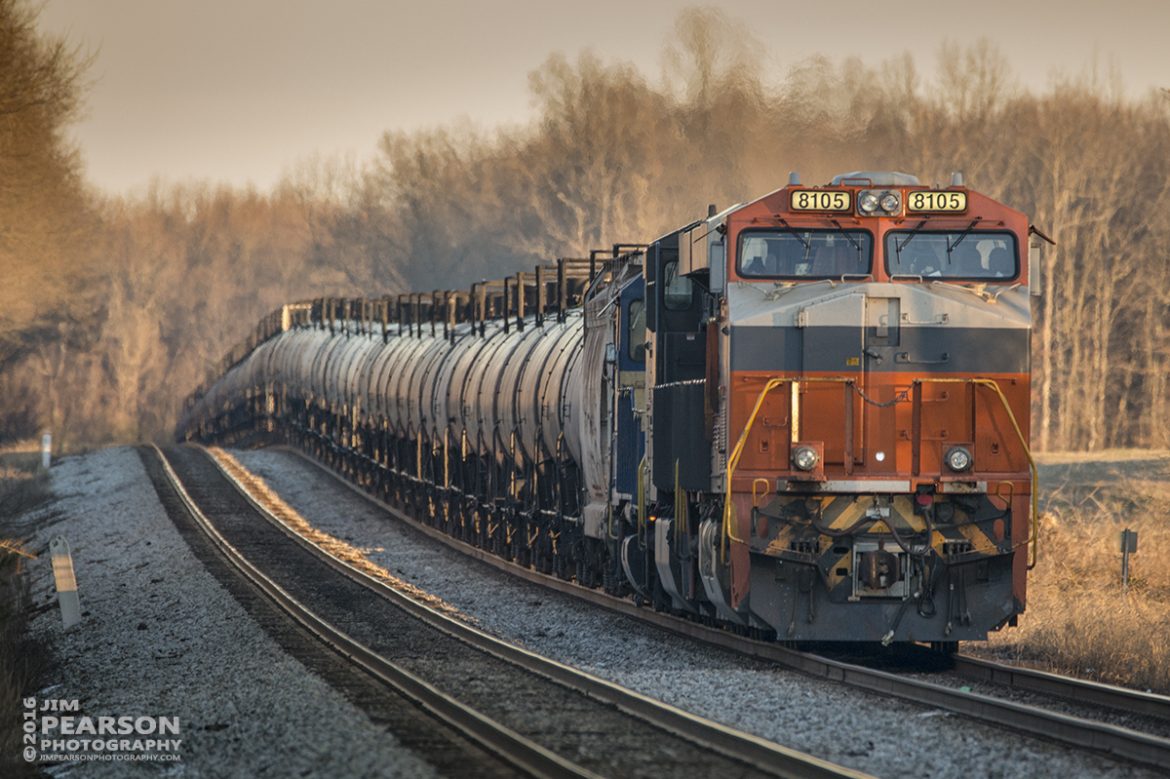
[792, 230]
[848, 236]
[952, 246]
[900, 245]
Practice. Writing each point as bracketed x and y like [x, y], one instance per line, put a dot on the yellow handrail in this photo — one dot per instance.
[733, 460]
[1034, 519]
[764, 484]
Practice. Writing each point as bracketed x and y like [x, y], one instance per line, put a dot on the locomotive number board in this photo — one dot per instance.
[821, 200]
[933, 201]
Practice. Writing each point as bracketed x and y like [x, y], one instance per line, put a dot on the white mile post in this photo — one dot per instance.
[46, 450]
[66, 582]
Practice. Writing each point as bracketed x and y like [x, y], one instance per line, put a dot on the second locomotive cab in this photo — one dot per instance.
[805, 417]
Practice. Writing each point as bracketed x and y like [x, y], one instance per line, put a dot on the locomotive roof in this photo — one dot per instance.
[877, 178]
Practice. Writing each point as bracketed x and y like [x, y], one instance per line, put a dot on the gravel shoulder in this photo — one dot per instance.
[868, 732]
[161, 637]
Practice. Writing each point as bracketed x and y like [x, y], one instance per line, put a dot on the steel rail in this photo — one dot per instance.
[1113, 740]
[524, 754]
[1067, 687]
[761, 754]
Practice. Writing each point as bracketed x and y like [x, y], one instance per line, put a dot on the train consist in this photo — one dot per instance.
[804, 418]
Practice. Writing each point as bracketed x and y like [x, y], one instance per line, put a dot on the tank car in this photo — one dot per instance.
[805, 417]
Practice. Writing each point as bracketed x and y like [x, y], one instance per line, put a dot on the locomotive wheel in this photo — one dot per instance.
[613, 578]
[763, 634]
[589, 574]
[660, 598]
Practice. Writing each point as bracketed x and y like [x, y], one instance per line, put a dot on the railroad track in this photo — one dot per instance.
[1066, 687]
[1126, 743]
[540, 717]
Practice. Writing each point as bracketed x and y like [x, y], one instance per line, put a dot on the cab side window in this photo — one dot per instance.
[677, 292]
[636, 331]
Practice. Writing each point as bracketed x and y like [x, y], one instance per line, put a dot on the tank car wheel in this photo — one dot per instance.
[517, 550]
[474, 523]
[542, 558]
[945, 648]
[564, 567]
[486, 541]
[587, 575]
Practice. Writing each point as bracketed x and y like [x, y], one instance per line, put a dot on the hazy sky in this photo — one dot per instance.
[240, 90]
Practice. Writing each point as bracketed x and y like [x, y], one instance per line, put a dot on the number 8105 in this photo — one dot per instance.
[815, 200]
[928, 200]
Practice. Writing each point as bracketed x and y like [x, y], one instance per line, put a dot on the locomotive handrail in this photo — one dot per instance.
[640, 529]
[737, 451]
[1034, 518]
[733, 460]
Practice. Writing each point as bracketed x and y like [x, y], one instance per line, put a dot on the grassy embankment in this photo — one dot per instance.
[1079, 619]
[23, 486]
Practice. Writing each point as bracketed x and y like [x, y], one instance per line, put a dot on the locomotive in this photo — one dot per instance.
[804, 418]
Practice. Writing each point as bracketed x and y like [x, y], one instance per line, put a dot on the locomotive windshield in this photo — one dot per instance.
[805, 254]
[962, 254]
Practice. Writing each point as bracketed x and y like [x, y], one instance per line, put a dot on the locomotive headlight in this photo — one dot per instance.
[804, 458]
[958, 459]
[890, 202]
[868, 202]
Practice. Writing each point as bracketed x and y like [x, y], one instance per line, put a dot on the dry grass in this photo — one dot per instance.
[1104, 457]
[22, 487]
[1079, 620]
[22, 663]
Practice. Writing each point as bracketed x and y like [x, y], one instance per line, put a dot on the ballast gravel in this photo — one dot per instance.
[161, 638]
[883, 736]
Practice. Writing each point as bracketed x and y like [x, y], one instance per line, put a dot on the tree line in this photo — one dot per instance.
[114, 308]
